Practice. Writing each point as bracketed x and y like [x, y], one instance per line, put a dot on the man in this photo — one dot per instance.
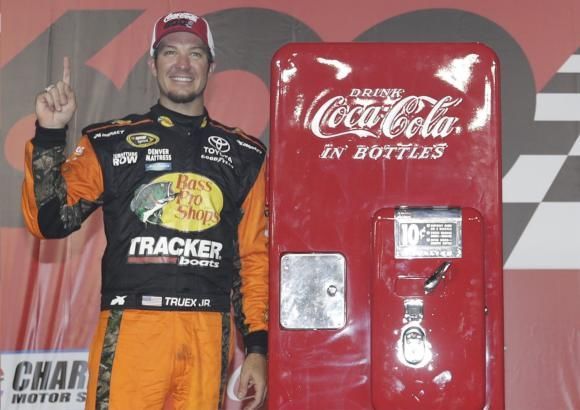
[183, 203]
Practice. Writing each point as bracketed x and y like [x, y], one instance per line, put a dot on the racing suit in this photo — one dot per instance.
[184, 215]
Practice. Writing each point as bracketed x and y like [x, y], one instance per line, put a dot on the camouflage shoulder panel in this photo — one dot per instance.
[115, 127]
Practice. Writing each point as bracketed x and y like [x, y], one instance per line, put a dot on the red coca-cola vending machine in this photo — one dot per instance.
[385, 199]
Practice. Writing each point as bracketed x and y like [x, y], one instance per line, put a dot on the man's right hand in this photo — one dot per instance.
[56, 105]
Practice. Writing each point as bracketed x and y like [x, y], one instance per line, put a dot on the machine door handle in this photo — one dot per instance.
[414, 345]
[439, 274]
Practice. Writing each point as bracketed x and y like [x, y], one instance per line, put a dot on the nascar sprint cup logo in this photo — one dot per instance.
[395, 120]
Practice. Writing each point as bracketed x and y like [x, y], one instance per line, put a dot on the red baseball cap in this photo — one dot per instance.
[182, 21]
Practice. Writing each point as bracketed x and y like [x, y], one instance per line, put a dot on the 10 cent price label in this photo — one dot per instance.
[428, 233]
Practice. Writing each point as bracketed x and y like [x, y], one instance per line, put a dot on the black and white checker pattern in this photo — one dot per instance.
[541, 193]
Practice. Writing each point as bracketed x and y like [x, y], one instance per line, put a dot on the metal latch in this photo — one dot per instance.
[414, 350]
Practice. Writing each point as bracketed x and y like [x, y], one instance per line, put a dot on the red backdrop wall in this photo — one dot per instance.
[49, 290]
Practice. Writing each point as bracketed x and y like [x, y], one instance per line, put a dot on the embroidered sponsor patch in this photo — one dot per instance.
[108, 134]
[124, 158]
[158, 166]
[158, 155]
[216, 151]
[249, 146]
[142, 139]
[184, 201]
[165, 121]
[122, 122]
[175, 251]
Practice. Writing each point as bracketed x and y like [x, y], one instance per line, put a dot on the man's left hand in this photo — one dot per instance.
[254, 374]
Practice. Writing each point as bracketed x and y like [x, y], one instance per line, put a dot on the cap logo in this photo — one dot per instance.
[174, 16]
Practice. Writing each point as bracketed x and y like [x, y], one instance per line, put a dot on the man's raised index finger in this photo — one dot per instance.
[66, 71]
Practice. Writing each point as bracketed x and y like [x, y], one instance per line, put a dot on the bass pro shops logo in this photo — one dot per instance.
[185, 202]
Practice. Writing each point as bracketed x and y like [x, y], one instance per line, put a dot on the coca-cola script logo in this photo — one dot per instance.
[385, 112]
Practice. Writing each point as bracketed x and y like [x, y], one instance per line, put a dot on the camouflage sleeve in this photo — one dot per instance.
[58, 194]
[251, 289]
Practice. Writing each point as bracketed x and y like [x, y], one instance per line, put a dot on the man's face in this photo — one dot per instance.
[181, 68]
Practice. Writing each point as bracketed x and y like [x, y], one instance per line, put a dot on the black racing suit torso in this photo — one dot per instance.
[174, 191]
